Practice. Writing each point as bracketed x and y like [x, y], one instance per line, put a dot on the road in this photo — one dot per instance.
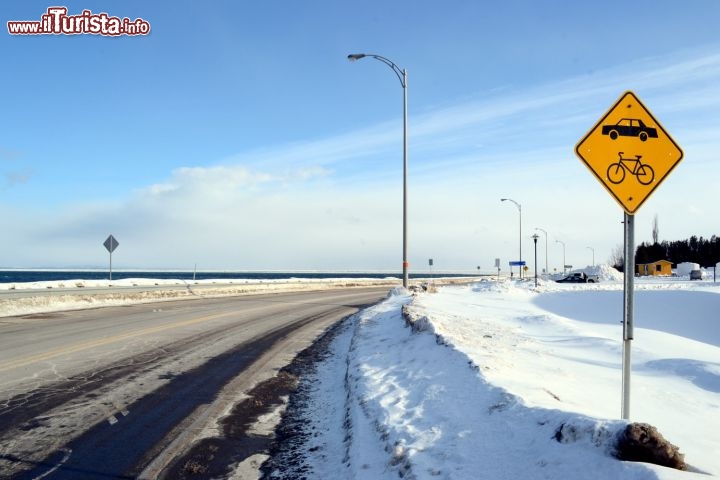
[113, 392]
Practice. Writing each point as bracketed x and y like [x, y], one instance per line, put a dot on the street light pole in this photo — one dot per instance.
[520, 236]
[564, 263]
[535, 237]
[402, 76]
[547, 272]
[593, 255]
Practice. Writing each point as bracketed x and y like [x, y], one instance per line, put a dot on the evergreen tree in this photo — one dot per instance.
[705, 252]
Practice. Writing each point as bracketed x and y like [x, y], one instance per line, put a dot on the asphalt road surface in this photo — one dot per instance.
[113, 392]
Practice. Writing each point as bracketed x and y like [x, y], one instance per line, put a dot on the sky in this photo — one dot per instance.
[237, 136]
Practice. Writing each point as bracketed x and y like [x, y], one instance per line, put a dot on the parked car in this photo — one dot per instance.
[629, 127]
[579, 277]
[696, 275]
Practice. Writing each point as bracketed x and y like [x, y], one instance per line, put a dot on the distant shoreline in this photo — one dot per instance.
[50, 275]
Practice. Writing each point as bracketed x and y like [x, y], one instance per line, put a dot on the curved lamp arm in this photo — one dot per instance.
[398, 71]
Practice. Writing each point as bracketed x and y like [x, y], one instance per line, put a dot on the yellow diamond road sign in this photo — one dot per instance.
[629, 152]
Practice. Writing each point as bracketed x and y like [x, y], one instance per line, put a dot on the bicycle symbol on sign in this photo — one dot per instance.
[644, 172]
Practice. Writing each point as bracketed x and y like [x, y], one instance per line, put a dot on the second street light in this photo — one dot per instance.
[402, 76]
[520, 212]
[547, 272]
[535, 237]
[593, 254]
[563, 244]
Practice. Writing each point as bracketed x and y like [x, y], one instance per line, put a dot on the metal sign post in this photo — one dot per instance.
[111, 244]
[517, 263]
[628, 310]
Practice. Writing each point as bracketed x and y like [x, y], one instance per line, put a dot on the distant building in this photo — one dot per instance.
[659, 268]
[683, 269]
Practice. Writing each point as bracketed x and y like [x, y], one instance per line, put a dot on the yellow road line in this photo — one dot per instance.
[65, 350]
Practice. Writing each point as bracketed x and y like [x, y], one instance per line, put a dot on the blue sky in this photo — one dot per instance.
[238, 136]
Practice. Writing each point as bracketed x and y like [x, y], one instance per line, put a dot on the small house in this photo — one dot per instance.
[659, 268]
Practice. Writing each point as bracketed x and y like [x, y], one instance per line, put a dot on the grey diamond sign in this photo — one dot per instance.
[111, 244]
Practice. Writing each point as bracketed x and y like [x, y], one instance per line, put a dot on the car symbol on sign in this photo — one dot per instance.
[629, 127]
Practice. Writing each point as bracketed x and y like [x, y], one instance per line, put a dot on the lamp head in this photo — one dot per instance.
[355, 56]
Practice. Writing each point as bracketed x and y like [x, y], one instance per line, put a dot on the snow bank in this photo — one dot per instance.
[557, 354]
[436, 414]
[605, 273]
[503, 380]
[79, 284]
[43, 297]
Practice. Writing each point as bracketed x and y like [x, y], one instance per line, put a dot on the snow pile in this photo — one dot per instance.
[562, 350]
[605, 273]
[501, 380]
[436, 416]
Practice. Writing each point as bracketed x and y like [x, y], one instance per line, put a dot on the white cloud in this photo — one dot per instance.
[225, 179]
[336, 202]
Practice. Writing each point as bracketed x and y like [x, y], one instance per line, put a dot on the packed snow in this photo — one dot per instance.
[478, 381]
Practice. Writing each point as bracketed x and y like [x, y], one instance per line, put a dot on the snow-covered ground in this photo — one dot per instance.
[490, 373]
